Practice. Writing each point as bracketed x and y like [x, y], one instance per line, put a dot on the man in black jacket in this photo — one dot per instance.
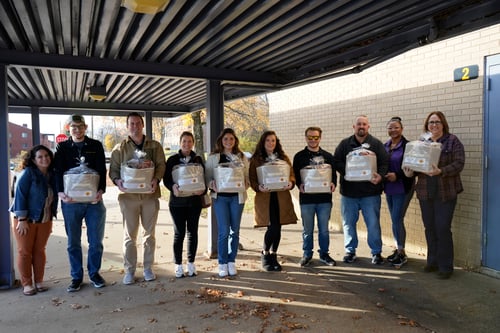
[317, 203]
[364, 195]
[68, 155]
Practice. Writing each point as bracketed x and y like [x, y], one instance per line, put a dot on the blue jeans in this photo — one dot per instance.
[95, 219]
[370, 208]
[228, 213]
[398, 204]
[322, 212]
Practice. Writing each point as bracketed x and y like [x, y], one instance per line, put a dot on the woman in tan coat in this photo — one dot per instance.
[272, 208]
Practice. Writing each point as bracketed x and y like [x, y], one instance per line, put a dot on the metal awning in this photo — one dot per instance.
[56, 50]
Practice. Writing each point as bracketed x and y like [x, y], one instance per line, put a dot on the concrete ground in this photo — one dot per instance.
[358, 297]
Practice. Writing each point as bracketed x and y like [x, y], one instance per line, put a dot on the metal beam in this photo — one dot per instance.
[215, 124]
[128, 67]
[6, 256]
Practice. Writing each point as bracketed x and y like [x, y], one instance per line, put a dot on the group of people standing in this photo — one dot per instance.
[41, 185]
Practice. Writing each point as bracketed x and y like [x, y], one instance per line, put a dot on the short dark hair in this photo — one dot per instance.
[135, 114]
[313, 128]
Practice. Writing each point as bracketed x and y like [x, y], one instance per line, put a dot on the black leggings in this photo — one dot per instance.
[190, 217]
[273, 234]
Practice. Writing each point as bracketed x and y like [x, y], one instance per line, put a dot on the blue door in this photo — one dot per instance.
[491, 208]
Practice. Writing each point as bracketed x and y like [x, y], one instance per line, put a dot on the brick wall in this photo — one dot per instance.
[410, 86]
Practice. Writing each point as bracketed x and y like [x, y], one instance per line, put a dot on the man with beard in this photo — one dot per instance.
[361, 195]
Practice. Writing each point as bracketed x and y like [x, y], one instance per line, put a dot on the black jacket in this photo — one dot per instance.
[359, 189]
[67, 156]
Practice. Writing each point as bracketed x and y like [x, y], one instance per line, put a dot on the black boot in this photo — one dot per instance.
[266, 262]
[274, 262]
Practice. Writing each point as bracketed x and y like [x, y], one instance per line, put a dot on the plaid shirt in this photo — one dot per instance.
[451, 163]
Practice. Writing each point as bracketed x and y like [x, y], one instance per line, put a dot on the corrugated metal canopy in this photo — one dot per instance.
[57, 49]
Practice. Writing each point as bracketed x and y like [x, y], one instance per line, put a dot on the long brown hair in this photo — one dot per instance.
[219, 148]
[260, 153]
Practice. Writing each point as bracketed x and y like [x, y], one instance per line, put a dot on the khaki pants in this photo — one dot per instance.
[31, 251]
[138, 209]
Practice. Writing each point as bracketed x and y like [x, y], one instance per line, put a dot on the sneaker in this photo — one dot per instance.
[191, 269]
[129, 278]
[305, 261]
[179, 272]
[377, 259]
[74, 286]
[149, 275]
[223, 270]
[392, 256]
[400, 260]
[326, 259]
[97, 281]
[231, 268]
[349, 258]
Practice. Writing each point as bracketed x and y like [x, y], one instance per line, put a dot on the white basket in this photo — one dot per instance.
[360, 167]
[274, 175]
[137, 180]
[81, 187]
[317, 179]
[420, 155]
[229, 178]
[190, 179]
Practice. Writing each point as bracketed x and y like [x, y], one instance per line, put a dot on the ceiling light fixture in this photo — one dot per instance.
[150, 7]
[97, 93]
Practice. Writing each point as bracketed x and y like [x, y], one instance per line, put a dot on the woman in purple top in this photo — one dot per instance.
[398, 189]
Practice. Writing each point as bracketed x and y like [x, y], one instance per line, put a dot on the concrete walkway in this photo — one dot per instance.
[357, 297]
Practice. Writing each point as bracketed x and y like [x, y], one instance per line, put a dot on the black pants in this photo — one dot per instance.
[185, 217]
[437, 216]
[273, 234]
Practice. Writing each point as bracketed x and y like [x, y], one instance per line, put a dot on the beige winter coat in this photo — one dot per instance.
[262, 199]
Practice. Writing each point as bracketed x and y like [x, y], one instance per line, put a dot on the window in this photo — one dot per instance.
[24, 135]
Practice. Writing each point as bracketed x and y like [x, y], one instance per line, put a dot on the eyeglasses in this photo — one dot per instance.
[393, 128]
[313, 137]
[434, 122]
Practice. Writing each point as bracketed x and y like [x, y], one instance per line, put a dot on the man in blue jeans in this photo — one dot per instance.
[68, 155]
[315, 200]
[360, 194]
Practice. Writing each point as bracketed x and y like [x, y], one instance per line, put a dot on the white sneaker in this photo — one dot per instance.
[191, 269]
[128, 278]
[231, 267]
[223, 270]
[179, 272]
[149, 275]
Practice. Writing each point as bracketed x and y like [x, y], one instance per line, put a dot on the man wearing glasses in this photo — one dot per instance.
[68, 155]
[317, 203]
[364, 196]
